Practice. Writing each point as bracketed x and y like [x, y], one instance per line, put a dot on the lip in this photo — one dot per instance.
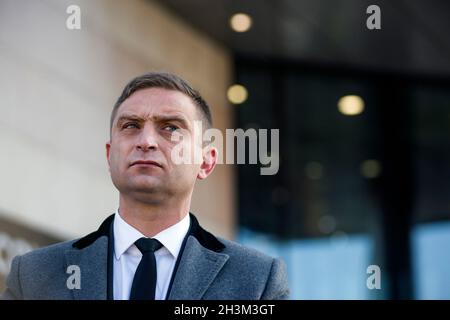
[145, 163]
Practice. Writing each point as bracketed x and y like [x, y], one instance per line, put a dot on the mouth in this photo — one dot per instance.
[145, 163]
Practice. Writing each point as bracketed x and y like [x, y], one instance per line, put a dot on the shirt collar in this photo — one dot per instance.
[171, 238]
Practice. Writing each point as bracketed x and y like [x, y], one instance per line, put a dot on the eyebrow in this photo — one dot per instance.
[158, 118]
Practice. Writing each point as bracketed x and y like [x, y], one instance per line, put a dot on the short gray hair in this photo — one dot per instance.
[167, 81]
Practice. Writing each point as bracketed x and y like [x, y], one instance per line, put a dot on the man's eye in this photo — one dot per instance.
[130, 125]
[170, 128]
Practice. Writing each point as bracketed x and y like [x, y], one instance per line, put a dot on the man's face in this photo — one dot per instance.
[139, 152]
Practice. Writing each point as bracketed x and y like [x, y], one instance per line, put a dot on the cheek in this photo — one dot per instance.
[188, 150]
[191, 170]
[116, 157]
[112, 160]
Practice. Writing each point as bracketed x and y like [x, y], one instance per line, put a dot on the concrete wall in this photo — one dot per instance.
[57, 88]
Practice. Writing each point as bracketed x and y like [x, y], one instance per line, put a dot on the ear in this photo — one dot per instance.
[108, 150]
[210, 155]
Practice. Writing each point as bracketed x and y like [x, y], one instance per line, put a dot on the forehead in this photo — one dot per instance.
[155, 101]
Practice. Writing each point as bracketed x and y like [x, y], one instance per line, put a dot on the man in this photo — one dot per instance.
[152, 247]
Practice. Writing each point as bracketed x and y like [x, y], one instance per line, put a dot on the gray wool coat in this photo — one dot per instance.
[208, 268]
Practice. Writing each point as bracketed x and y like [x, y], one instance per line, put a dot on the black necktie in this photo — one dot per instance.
[144, 281]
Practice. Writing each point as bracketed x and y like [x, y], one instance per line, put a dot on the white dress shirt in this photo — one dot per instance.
[127, 256]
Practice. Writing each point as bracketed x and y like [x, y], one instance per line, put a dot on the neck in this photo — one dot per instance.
[151, 219]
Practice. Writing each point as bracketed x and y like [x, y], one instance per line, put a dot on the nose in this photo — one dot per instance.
[147, 139]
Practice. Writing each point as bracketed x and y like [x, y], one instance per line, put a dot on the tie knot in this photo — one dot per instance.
[148, 245]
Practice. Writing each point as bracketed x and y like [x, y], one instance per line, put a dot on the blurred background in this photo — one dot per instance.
[363, 114]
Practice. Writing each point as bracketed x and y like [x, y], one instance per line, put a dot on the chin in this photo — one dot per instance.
[143, 181]
[148, 195]
[147, 187]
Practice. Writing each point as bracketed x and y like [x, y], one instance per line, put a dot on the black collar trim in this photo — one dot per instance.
[205, 238]
[103, 230]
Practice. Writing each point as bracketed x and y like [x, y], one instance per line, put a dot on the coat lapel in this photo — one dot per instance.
[197, 269]
[93, 262]
[200, 262]
[90, 254]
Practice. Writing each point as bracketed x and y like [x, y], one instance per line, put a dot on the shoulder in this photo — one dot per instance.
[245, 261]
[256, 271]
[42, 259]
[232, 249]
[35, 271]
[247, 254]
[49, 252]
